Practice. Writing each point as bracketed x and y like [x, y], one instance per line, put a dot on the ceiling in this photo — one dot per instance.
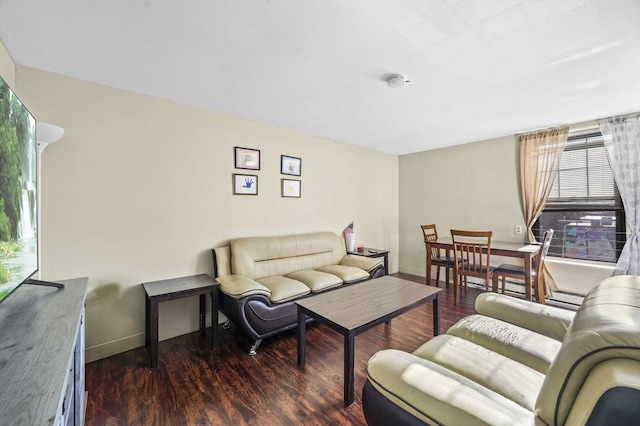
[479, 69]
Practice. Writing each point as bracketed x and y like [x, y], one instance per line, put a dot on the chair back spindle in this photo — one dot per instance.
[472, 257]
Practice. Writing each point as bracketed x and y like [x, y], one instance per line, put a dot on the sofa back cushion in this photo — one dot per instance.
[260, 257]
[605, 327]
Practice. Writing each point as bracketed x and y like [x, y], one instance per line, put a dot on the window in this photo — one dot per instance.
[584, 207]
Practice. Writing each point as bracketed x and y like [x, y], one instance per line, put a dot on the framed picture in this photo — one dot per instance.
[247, 158]
[245, 184]
[291, 188]
[290, 165]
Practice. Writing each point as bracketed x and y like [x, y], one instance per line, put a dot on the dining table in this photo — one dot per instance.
[524, 251]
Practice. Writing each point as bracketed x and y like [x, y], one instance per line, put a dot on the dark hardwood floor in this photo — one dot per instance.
[198, 385]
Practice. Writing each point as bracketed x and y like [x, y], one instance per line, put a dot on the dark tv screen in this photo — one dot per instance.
[18, 192]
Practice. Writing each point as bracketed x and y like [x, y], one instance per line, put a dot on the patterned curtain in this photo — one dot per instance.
[540, 154]
[622, 139]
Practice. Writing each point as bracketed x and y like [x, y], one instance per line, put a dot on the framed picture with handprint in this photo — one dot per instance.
[245, 184]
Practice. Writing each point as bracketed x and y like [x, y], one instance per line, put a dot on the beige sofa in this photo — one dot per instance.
[261, 277]
[519, 363]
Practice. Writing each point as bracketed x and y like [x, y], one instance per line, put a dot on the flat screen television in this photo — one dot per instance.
[18, 192]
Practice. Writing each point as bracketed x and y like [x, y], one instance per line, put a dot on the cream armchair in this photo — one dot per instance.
[519, 363]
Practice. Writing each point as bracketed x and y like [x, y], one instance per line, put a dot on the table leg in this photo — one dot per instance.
[147, 322]
[456, 280]
[386, 263]
[539, 283]
[436, 315]
[427, 279]
[153, 335]
[302, 331]
[214, 317]
[348, 368]
[203, 315]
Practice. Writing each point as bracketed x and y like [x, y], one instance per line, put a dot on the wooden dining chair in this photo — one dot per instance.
[472, 257]
[438, 259]
[507, 270]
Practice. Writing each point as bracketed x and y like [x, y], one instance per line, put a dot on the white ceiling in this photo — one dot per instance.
[479, 69]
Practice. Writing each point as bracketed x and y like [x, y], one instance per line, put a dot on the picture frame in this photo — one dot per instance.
[290, 165]
[291, 188]
[245, 184]
[246, 158]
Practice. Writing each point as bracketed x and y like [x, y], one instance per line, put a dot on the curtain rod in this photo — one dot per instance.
[581, 129]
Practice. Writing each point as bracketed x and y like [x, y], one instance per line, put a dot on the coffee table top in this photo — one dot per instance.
[357, 305]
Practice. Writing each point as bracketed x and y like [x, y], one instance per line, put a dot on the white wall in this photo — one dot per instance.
[139, 189]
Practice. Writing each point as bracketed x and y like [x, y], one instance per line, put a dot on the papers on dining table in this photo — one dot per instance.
[530, 247]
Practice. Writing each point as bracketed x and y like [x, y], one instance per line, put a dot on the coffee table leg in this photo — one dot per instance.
[436, 315]
[348, 368]
[302, 331]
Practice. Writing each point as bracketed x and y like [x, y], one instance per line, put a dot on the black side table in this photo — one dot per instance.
[373, 252]
[177, 288]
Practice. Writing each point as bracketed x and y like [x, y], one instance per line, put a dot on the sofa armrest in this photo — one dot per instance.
[547, 320]
[238, 286]
[362, 262]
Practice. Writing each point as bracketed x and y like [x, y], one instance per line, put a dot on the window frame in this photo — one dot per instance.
[577, 205]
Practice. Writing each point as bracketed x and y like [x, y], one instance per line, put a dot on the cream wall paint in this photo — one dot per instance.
[471, 186]
[139, 189]
[7, 67]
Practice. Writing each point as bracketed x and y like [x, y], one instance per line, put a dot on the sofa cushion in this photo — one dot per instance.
[283, 288]
[260, 257]
[527, 347]
[499, 373]
[348, 274]
[435, 394]
[316, 280]
[362, 262]
[238, 286]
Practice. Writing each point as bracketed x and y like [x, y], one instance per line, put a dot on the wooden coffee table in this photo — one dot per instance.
[353, 309]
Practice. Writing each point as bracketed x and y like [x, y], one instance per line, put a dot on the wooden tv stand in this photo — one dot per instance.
[42, 355]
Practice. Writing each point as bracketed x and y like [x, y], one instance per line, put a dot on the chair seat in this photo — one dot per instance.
[509, 269]
[442, 260]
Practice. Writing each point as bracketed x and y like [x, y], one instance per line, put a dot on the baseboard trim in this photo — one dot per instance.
[114, 347]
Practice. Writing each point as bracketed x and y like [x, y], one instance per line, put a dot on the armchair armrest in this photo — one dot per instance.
[609, 395]
[547, 320]
[239, 286]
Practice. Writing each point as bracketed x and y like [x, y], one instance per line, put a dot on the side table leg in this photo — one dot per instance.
[386, 263]
[302, 332]
[214, 317]
[147, 322]
[348, 369]
[154, 332]
[203, 315]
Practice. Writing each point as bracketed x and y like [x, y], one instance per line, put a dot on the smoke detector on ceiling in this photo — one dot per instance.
[398, 80]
